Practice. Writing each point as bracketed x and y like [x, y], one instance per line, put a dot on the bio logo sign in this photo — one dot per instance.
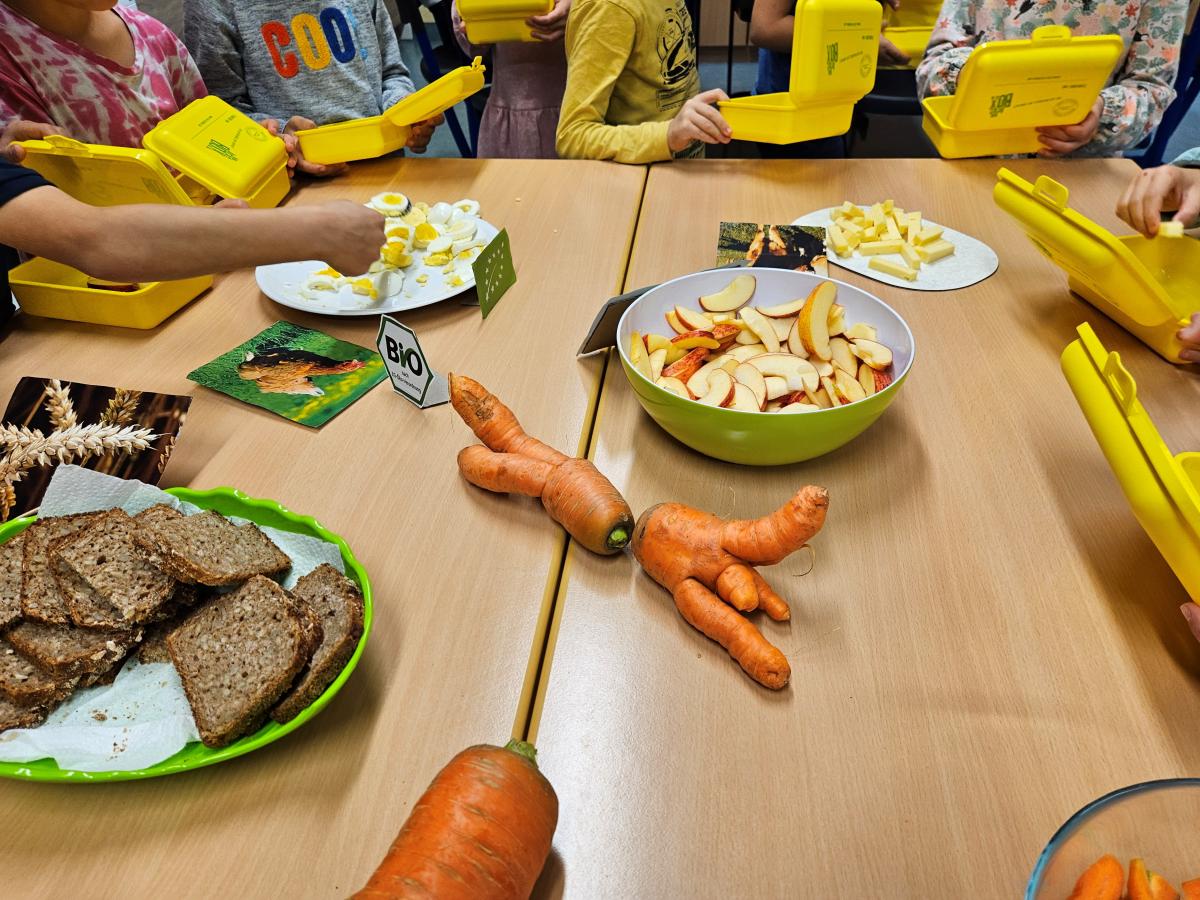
[407, 366]
[831, 58]
[1000, 102]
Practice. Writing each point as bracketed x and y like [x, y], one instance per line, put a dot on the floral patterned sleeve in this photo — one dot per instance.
[953, 39]
[1143, 87]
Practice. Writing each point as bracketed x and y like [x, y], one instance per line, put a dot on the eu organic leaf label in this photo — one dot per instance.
[494, 272]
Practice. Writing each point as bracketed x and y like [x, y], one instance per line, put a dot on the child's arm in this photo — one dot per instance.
[396, 81]
[159, 242]
[771, 25]
[211, 34]
[950, 45]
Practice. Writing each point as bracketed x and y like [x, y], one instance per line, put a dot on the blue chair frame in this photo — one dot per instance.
[1187, 88]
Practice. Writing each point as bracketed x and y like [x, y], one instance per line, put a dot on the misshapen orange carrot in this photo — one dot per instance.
[481, 831]
[1161, 889]
[1103, 880]
[679, 547]
[573, 491]
[1138, 887]
[1191, 889]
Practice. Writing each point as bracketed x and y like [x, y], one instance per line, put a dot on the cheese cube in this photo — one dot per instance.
[887, 207]
[891, 232]
[935, 251]
[851, 210]
[852, 240]
[875, 248]
[910, 255]
[895, 268]
[929, 234]
[837, 240]
[869, 233]
[850, 227]
[875, 215]
[898, 213]
[1170, 229]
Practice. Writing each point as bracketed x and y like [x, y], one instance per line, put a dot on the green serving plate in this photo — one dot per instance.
[228, 502]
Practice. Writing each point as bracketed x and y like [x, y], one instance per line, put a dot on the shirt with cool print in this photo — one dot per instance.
[326, 61]
[1139, 90]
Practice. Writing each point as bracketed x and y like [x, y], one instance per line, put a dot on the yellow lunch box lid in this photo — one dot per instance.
[498, 21]
[909, 28]
[217, 149]
[376, 136]
[1051, 78]
[225, 150]
[835, 46]
[1160, 487]
[1150, 286]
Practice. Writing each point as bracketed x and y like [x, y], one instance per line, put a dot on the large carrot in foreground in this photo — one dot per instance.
[693, 553]
[481, 831]
[573, 491]
[1103, 880]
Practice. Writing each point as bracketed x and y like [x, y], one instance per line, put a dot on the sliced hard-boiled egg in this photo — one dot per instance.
[440, 244]
[320, 281]
[439, 259]
[466, 207]
[398, 232]
[330, 271]
[376, 266]
[365, 287]
[396, 254]
[390, 203]
[422, 278]
[423, 234]
[389, 283]
[462, 230]
[465, 245]
[439, 213]
[422, 206]
[414, 216]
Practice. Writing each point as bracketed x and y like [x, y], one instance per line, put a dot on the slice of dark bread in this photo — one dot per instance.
[86, 608]
[40, 597]
[104, 555]
[207, 548]
[13, 716]
[11, 554]
[237, 655]
[66, 651]
[338, 605]
[104, 678]
[153, 648]
[28, 685]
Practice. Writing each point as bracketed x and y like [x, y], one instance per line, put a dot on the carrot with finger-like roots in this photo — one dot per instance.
[693, 553]
[510, 461]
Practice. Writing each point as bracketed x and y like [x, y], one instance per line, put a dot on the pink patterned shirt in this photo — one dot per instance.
[48, 78]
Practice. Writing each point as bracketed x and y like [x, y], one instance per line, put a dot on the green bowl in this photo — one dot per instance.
[760, 438]
[228, 502]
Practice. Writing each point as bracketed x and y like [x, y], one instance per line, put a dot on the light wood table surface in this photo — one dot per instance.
[987, 642]
[460, 577]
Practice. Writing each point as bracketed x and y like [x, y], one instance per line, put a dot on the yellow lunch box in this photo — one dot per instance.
[835, 45]
[1149, 286]
[1161, 488]
[1008, 89]
[380, 135]
[497, 21]
[910, 26]
[218, 152]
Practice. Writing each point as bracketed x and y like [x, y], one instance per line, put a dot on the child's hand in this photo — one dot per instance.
[890, 54]
[699, 120]
[419, 136]
[296, 160]
[1191, 612]
[350, 234]
[22, 130]
[1189, 336]
[1153, 190]
[552, 26]
[1059, 139]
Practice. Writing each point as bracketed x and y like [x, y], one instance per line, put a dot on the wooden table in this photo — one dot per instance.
[987, 641]
[462, 579]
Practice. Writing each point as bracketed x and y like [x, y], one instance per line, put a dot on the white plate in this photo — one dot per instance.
[283, 283]
[973, 260]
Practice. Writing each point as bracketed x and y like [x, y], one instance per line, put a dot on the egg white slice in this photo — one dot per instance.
[439, 213]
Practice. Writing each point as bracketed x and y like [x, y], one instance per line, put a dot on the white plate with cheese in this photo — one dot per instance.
[969, 262]
[415, 269]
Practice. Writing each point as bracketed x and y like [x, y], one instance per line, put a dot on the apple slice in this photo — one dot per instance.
[882, 380]
[824, 369]
[685, 368]
[861, 331]
[821, 398]
[675, 386]
[744, 399]
[761, 326]
[827, 385]
[783, 310]
[847, 386]
[730, 365]
[734, 295]
[783, 327]
[873, 353]
[698, 382]
[658, 359]
[772, 406]
[690, 340]
[814, 320]
[777, 386]
[866, 377]
[752, 378]
[695, 321]
[674, 354]
[657, 342]
[743, 352]
[799, 373]
[676, 326]
[725, 332]
[720, 389]
[794, 343]
[800, 408]
[638, 357]
[842, 357]
[837, 319]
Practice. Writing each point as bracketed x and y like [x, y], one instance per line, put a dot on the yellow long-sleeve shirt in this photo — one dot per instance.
[631, 64]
